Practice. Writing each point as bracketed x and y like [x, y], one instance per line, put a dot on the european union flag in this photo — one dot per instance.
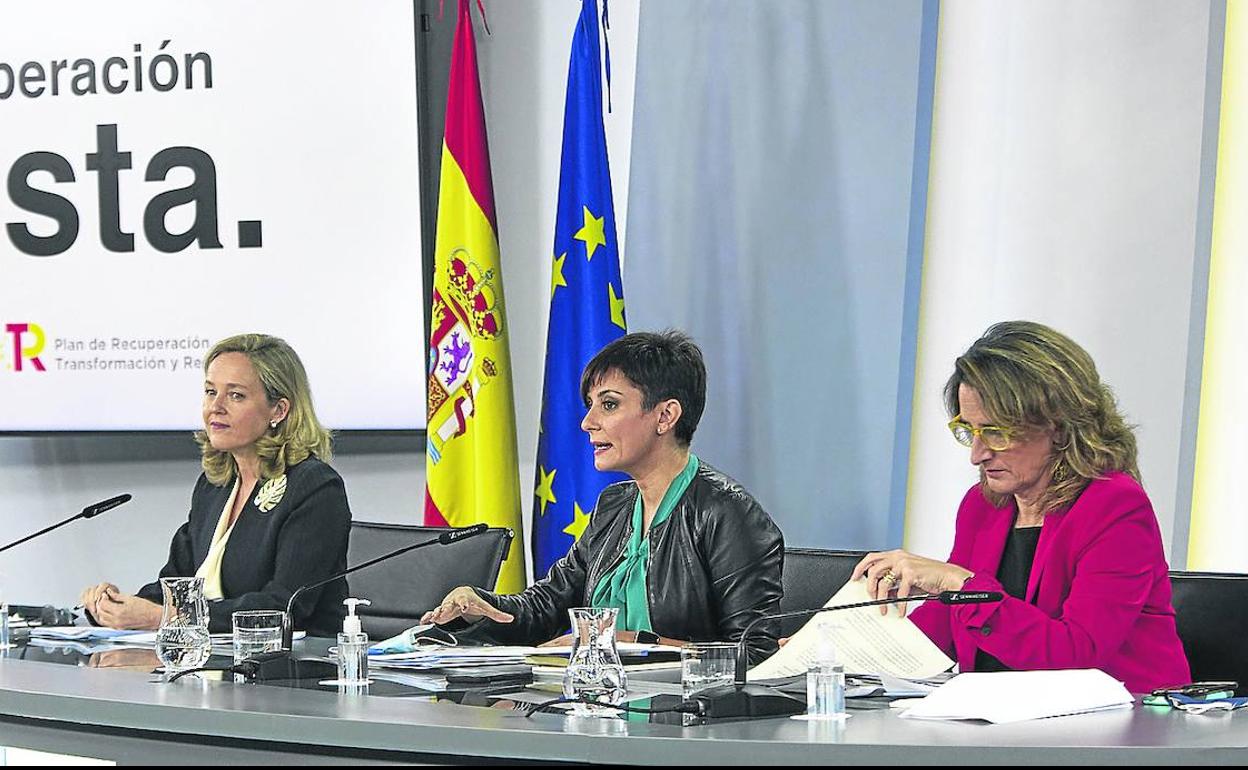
[586, 305]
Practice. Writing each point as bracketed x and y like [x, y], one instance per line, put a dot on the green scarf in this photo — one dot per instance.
[624, 586]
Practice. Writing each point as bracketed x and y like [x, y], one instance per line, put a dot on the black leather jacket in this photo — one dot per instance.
[715, 566]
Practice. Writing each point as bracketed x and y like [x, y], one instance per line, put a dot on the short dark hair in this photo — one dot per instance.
[662, 365]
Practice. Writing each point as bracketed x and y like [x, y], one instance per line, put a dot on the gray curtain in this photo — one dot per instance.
[775, 212]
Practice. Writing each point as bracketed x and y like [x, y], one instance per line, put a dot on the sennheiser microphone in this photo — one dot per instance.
[741, 699]
[455, 535]
[91, 511]
[968, 597]
[445, 538]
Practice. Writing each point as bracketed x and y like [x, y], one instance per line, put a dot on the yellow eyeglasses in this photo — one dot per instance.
[996, 439]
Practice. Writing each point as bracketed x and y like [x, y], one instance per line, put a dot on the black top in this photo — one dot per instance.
[1013, 574]
[303, 539]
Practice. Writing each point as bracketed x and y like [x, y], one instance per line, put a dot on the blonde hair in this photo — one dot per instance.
[1031, 377]
[296, 437]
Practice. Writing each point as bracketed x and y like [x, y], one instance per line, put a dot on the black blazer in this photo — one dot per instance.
[303, 539]
[715, 567]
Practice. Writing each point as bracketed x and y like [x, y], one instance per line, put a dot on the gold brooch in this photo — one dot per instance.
[271, 494]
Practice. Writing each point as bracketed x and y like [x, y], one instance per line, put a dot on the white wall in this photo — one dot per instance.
[1064, 189]
[1219, 530]
[524, 77]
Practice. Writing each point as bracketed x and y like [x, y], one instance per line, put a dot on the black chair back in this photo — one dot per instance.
[405, 587]
[811, 577]
[1211, 609]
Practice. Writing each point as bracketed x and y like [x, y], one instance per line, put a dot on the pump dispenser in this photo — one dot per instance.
[353, 647]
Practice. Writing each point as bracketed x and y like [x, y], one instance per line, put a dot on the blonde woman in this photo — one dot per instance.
[268, 514]
[1058, 523]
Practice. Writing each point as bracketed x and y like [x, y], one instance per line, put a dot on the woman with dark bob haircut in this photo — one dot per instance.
[683, 551]
[1058, 523]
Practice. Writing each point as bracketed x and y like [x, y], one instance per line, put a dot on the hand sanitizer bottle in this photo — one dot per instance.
[6, 641]
[825, 681]
[353, 647]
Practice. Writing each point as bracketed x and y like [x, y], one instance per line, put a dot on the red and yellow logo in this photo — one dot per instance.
[26, 342]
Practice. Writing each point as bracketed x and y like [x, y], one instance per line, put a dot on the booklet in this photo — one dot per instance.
[1013, 696]
[866, 642]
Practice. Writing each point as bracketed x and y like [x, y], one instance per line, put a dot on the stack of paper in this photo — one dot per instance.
[443, 657]
[79, 633]
[450, 657]
[866, 642]
[635, 656]
[1014, 696]
[82, 639]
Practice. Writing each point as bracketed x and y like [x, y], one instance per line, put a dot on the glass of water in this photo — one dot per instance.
[256, 632]
[706, 664]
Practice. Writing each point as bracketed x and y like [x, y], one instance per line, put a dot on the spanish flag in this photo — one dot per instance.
[471, 460]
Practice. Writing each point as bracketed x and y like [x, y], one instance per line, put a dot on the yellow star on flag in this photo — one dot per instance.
[617, 308]
[592, 233]
[546, 489]
[580, 520]
[556, 274]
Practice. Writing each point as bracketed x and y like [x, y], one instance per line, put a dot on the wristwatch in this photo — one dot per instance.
[647, 637]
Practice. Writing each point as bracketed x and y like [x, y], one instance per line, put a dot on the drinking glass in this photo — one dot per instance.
[256, 632]
[706, 664]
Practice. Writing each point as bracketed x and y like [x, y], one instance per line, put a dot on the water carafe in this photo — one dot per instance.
[594, 671]
[183, 642]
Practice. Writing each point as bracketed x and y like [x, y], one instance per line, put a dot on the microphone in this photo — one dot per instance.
[455, 535]
[90, 512]
[445, 538]
[741, 699]
[968, 597]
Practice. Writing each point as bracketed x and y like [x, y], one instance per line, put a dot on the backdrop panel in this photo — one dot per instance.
[180, 172]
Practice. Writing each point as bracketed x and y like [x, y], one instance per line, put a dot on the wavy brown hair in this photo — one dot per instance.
[1031, 377]
[295, 438]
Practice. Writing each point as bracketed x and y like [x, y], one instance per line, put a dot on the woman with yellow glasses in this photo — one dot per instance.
[1058, 523]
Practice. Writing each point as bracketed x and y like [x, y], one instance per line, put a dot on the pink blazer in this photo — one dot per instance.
[1098, 596]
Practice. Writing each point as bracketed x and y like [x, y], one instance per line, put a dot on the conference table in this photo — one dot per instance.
[131, 717]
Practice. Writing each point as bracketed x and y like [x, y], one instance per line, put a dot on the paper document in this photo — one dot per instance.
[896, 687]
[866, 642]
[48, 635]
[451, 657]
[79, 633]
[1014, 696]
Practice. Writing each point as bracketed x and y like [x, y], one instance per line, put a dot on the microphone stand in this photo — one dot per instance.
[91, 511]
[282, 665]
[446, 538]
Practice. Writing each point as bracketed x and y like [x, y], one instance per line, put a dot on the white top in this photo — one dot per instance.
[210, 570]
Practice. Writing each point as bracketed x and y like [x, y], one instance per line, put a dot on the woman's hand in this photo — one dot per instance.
[117, 610]
[902, 573]
[90, 597]
[463, 602]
